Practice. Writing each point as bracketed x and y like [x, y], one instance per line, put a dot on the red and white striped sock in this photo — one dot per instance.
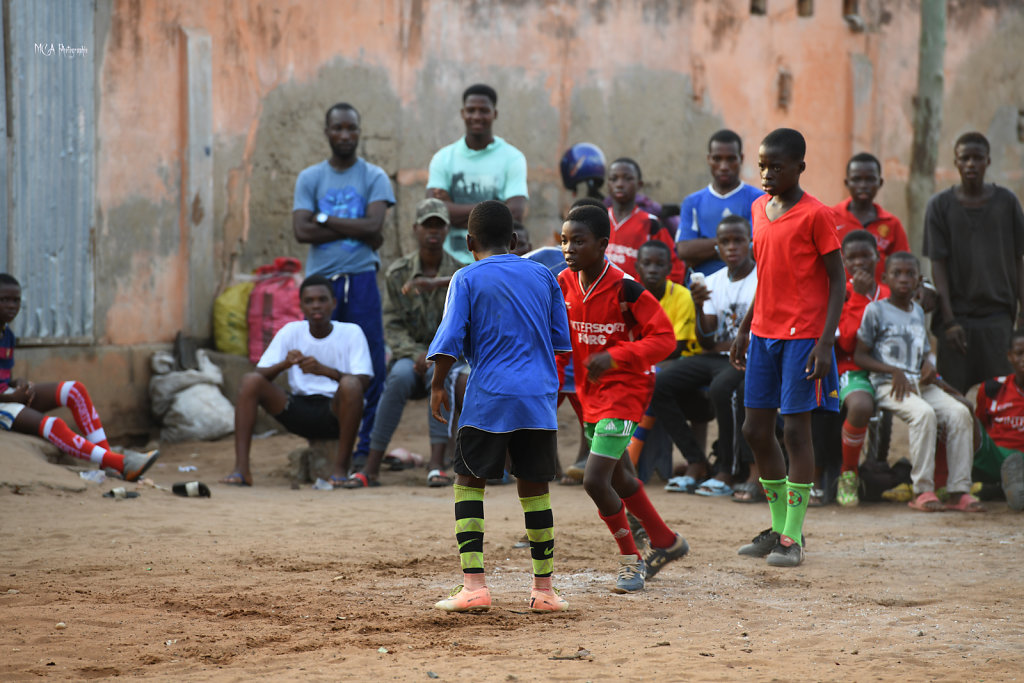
[57, 432]
[76, 398]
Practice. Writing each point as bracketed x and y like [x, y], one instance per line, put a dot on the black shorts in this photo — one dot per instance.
[309, 417]
[534, 453]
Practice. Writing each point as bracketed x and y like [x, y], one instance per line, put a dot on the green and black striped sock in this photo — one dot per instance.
[540, 530]
[469, 528]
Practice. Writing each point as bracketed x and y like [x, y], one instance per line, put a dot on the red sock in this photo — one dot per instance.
[619, 526]
[853, 440]
[55, 431]
[640, 505]
[76, 398]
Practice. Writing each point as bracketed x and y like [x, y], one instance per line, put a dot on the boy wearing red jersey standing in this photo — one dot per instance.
[859, 212]
[618, 332]
[790, 331]
[631, 226]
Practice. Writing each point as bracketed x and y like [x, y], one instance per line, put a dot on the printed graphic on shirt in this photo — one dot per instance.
[345, 202]
[473, 188]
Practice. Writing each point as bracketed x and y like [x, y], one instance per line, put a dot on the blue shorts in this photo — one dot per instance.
[775, 378]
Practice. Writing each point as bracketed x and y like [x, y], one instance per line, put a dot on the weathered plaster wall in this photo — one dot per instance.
[646, 78]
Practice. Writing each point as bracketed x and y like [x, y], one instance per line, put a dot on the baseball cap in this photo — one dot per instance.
[432, 207]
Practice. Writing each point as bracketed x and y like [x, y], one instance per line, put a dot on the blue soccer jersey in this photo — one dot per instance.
[702, 211]
[506, 316]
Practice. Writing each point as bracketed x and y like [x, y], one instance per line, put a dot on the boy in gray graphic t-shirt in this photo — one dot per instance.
[892, 344]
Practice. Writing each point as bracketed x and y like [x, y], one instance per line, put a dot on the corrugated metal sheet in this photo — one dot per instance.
[52, 144]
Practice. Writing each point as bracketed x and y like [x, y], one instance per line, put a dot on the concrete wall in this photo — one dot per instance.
[646, 78]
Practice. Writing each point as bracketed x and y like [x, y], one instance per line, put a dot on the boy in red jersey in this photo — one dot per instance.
[618, 332]
[631, 226]
[859, 212]
[790, 330]
[1001, 412]
[860, 255]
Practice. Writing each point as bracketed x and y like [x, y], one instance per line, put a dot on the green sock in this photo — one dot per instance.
[797, 497]
[540, 530]
[775, 491]
[469, 528]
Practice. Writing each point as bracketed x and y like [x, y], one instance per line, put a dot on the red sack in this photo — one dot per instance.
[273, 303]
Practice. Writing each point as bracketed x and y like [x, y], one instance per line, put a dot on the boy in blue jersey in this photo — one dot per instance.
[506, 315]
[702, 211]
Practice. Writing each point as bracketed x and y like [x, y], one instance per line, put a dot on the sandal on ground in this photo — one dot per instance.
[437, 479]
[714, 487]
[817, 499]
[748, 492]
[967, 503]
[683, 484]
[336, 481]
[566, 480]
[927, 502]
[235, 479]
[360, 481]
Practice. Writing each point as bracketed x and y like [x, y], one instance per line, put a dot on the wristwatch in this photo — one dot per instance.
[321, 218]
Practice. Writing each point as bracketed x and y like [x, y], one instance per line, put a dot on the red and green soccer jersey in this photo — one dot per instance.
[619, 316]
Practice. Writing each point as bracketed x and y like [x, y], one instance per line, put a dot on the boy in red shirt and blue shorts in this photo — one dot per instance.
[785, 340]
[618, 332]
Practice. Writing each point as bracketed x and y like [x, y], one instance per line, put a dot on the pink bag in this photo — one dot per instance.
[273, 303]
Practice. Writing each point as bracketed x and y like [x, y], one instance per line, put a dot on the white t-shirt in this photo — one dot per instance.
[729, 301]
[344, 349]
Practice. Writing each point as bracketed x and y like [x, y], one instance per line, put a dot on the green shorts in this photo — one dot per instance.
[988, 460]
[855, 380]
[609, 437]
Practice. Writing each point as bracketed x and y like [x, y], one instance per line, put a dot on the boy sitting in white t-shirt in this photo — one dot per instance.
[329, 368]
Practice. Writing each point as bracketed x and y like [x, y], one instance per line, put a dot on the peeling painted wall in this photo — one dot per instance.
[647, 78]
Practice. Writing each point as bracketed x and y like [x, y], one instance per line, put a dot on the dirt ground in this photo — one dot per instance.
[283, 584]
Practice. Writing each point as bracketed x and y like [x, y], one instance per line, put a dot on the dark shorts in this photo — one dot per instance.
[776, 378]
[534, 453]
[309, 417]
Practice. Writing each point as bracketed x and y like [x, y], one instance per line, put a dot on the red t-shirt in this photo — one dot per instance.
[849, 323]
[627, 238]
[619, 316]
[792, 283]
[887, 229]
[1002, 415]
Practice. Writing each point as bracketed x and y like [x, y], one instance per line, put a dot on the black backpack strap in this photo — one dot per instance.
[629, 292]
[992, 387]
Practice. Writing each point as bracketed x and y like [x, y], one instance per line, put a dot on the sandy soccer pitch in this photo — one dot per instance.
[282, 584]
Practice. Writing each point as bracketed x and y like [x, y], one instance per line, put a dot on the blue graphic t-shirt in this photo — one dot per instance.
[342, 194]
[506, 315]
[470, 176]
[702, 211]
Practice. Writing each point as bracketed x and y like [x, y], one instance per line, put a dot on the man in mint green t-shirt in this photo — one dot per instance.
[475, 168]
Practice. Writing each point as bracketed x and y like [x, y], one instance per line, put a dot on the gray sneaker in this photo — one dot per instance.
[136, 464]
[786, 554]
[762, 544]
[1012, 472]
[656, 558]
[631, 574]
